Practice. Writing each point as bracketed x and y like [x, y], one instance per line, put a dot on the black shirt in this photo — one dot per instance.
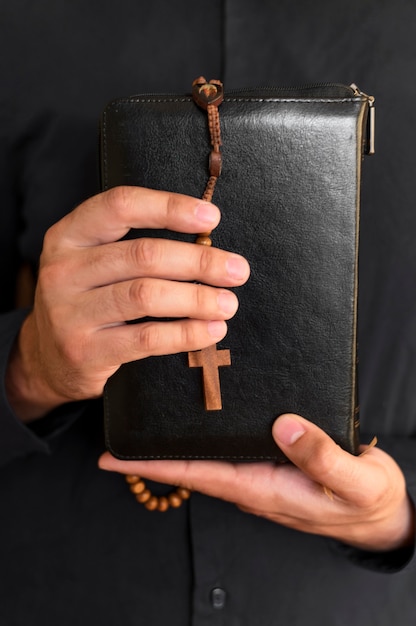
[75, 545]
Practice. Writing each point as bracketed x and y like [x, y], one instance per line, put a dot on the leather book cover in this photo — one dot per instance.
[289, 194]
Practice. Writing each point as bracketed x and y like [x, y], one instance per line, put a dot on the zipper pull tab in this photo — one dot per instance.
[371, 123]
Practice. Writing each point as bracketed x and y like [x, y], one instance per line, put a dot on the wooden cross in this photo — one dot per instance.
[210, 359]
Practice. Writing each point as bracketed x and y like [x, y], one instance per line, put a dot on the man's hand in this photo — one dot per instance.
[90, 284]
[361, 501]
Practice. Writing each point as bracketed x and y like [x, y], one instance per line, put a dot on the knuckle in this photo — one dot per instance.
[187, 335]
[379, 493]
[369, 499]
[49, 239]
[327, 460]
[148, 337]
[321, 460]
[51, 273]
[200, 300]
[146, 254]
[137, 295]
[119, 199]
[205, 260]
[48, 276]
[71, 344]
[52, 241]
[74, 352]
[142, 294]
[173, 205]
[372, 499]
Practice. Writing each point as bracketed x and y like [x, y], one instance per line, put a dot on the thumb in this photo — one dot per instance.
[316, 454]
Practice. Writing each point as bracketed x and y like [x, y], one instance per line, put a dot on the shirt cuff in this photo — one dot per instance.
[384, 562]
[403, 450]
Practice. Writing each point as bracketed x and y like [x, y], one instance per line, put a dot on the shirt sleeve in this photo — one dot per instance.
[16, 438]
[403, 450]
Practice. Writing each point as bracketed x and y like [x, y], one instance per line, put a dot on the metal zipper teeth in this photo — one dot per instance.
[249, 90]
[305, 87]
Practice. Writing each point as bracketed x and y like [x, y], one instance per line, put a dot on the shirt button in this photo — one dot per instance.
[218, 597]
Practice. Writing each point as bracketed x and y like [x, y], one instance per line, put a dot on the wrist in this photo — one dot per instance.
[394, 534]
[29, 397]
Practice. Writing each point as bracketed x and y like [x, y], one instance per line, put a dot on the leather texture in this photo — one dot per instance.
[289, 196]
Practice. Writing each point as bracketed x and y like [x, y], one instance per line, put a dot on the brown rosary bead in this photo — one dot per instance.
[144, 496]
[138, 487]
[204, 241]
[152, 503]
[175, 500]
[163, 504]
[183, 493]
[131, 479]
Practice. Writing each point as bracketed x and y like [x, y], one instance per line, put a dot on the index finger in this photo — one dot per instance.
[109, 215]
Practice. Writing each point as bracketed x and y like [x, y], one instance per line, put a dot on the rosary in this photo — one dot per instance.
[208, 96]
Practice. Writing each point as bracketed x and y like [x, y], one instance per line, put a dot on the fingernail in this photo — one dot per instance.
[236, 268]
[217, 330]
[227, 302]
[206, 213]
[288, 430]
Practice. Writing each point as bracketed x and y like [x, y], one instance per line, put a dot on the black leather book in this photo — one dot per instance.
[289, 194]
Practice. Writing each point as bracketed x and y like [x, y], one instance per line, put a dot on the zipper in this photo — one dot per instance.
[371, 124]
[334, 90]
